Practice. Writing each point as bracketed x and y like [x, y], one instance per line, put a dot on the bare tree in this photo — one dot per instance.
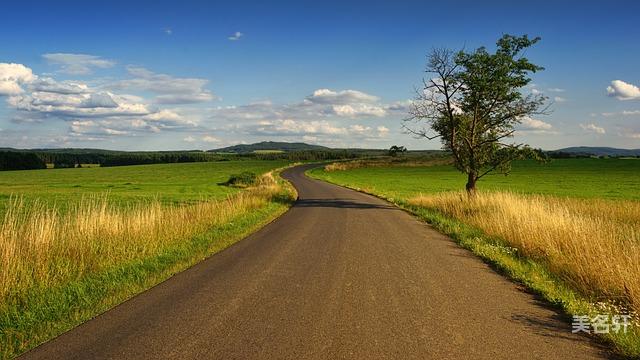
[473, 101]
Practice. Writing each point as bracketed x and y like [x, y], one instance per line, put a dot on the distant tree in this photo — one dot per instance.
[473, 102]
[395, 150]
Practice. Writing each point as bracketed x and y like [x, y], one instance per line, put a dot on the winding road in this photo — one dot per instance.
[340, 275]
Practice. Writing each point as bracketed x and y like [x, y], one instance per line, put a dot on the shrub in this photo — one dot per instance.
[243, 179]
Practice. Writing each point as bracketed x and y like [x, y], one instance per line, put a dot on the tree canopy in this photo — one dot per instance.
[473, 101]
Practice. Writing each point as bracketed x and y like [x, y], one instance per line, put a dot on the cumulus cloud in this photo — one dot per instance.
[325, 115]
[528, 124]
[90, 112]
[77, 64]
[326, 96]
[236, 36]
[593, 128]
[623, 91]
[210, 139]
[12, 76]
[169, 89]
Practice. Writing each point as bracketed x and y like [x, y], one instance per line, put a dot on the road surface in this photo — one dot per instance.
[340, 275]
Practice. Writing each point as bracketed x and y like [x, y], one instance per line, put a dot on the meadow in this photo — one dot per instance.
[580, 178]
[569, 229]
[125, 185]
[75, 242]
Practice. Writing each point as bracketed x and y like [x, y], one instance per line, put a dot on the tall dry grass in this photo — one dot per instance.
[42, 247]
[592, 244]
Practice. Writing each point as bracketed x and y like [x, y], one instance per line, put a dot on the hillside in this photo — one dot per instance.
[598, 151]
[269, 145]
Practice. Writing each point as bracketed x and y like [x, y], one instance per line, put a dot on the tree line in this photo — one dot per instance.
[38, 159]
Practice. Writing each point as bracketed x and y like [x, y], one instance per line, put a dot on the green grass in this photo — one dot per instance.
[170, 183]
[615, 179]
[584, 178]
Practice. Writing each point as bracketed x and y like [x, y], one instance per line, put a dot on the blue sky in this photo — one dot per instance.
[185, 75]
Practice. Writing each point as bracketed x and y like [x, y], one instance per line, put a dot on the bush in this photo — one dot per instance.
[243, 179]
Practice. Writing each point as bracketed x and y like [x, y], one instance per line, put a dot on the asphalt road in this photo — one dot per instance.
[340, 275]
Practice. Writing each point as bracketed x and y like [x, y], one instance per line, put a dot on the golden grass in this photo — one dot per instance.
[592, 244]
[42, 247]
[386, 162]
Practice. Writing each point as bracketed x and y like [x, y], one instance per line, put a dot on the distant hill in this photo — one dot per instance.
[598, 151]
[269, 146]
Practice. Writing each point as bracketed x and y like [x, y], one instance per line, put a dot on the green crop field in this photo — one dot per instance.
[169, 183]
[583, 178]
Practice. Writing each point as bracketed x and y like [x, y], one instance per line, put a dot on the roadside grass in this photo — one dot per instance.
[60, 269]
[581, 254]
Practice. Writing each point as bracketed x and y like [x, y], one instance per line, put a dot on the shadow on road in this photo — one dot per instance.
[341, 203]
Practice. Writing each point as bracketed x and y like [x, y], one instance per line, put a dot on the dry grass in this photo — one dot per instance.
[42, 247]
[386, 162]
[592, 244]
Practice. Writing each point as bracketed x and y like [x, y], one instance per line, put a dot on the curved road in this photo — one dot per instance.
[340, 275]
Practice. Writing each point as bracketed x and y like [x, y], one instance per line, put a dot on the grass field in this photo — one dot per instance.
[582, 178]
[126, 185]
[68, 252]
[570, 230]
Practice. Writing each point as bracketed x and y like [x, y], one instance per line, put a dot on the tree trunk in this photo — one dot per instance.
[471, 184]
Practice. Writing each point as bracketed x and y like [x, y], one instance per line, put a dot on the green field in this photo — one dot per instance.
[169, 183]
[583, 178]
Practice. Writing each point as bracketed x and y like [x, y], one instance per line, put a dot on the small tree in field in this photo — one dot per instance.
[472, 103]
[395, 150]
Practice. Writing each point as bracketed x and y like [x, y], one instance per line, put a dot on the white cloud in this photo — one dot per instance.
[236, 36]
[77, 64]
[592, 128]
[622, 113]
[12, 76]
[623, 91]
[189, 139]
[326, 96]
[357, 110]
[170, 90]
[559, 99]
[168, 31]
[555, 90]
[90, 112]
[210, 139]
[98, 100]
[527, 123]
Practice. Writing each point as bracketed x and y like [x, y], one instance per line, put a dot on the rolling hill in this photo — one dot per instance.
[598, 151]
[269, 145]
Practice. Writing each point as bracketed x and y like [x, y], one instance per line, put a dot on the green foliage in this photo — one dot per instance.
[10, 160]
[395, 150]
[474, 103]
[244, 179]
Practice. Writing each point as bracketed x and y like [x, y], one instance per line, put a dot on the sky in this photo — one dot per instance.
[170, 75]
